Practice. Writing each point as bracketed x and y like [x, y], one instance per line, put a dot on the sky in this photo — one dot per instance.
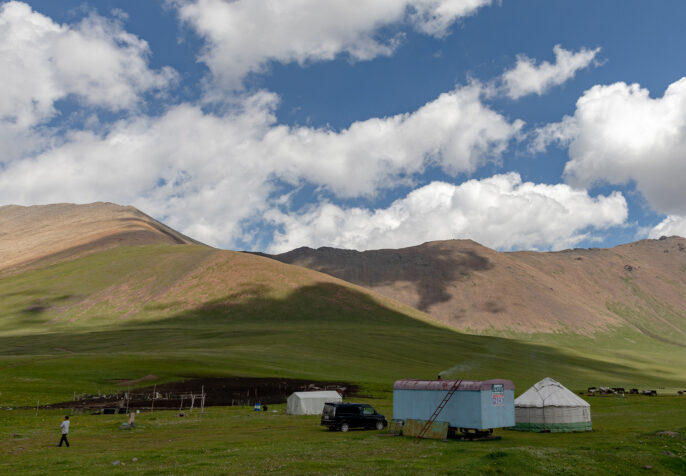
[362, 124]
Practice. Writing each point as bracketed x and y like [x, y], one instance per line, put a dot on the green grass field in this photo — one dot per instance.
[236, 440]
[122, 314]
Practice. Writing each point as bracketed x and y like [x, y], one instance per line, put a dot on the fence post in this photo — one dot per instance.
[154, 394]
[202, 404]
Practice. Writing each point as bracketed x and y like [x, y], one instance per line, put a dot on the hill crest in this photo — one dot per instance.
[474, 288]
[37, 235]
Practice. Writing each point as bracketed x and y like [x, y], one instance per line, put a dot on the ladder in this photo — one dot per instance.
[438, 409]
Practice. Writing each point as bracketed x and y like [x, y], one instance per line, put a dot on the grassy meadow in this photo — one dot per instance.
[178, 312]
[627, 438]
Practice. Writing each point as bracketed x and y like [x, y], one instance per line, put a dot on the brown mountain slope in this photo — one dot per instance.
[471, 287]
[44, 234]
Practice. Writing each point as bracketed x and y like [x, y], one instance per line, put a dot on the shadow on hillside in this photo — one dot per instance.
[39, 306]
[431, 270]
[323, 331]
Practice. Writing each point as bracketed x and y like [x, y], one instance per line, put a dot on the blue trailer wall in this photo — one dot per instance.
[492, 406]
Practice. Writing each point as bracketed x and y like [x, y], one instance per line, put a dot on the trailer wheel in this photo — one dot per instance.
[344, 427]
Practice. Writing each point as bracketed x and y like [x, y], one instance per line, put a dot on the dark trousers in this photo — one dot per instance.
[64, 438]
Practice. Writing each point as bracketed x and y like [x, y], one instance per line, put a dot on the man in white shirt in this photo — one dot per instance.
[65, 431]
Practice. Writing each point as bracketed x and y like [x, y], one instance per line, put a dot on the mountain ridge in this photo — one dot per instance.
[474, 288]
[37, 235]
[176, 310]
[460, 283]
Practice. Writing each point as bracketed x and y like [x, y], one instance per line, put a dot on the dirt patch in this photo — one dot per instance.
[219, 392]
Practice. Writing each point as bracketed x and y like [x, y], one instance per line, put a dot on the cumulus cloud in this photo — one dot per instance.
[42, 62]
[456, 132]
[670, 226]
[211, 174]
[501, 212]
[206, 173]
[187, 167]
[619, 134]
[562, 133]
[243, 36]
[527, 77]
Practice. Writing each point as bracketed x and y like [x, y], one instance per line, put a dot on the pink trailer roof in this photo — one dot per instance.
[469, 385]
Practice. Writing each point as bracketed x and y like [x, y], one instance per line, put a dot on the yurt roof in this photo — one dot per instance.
[549, 393]
[318, 394]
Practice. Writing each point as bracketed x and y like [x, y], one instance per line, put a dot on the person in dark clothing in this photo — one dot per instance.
[65, 431]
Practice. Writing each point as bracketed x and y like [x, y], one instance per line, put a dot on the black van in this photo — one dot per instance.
[343, 416]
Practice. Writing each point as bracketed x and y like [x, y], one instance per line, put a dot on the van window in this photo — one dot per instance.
[348, 410]
[367, 411]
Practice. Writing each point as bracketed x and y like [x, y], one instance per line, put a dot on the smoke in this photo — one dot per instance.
[463, 367]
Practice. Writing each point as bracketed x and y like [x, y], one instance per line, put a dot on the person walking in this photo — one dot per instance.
[65, 431]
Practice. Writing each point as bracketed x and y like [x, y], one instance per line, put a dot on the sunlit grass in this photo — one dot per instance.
[82, 325]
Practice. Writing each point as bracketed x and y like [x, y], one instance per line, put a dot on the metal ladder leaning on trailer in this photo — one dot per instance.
[438, 410]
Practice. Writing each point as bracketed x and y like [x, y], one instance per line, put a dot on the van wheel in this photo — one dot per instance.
[345, 427]
[379, 425]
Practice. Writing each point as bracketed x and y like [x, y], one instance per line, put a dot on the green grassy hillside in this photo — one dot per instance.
[181, 311]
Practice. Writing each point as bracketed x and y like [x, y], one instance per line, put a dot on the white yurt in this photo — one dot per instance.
[550, 406]
[310, 403]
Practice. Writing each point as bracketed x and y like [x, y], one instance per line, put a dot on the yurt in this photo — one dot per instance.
[310, 403]
[550, 406]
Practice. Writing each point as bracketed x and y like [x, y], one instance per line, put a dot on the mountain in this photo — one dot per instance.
[124, 263]
[93, 295]
[42, 234]
[467, 286]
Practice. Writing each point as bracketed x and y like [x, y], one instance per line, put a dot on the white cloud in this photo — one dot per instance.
[435, 17]
[562, 132]
[187, 167]
[527, 77]
[207, 173]
[499, 212]
[619, 134]
[42, 62]
[455, 131]
[670, 226]
[243, 36]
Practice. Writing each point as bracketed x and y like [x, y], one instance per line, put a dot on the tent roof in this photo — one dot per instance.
[549, 393]
[320, 394]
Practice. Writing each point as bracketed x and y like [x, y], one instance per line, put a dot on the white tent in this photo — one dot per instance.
[550, 406]
[311, 403]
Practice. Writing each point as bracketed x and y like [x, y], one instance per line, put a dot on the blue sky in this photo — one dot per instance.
[369, 124]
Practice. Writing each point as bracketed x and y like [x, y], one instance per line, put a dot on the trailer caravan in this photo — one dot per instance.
[467, 406]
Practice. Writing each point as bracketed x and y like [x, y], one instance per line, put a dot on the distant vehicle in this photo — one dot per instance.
[343, 416]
